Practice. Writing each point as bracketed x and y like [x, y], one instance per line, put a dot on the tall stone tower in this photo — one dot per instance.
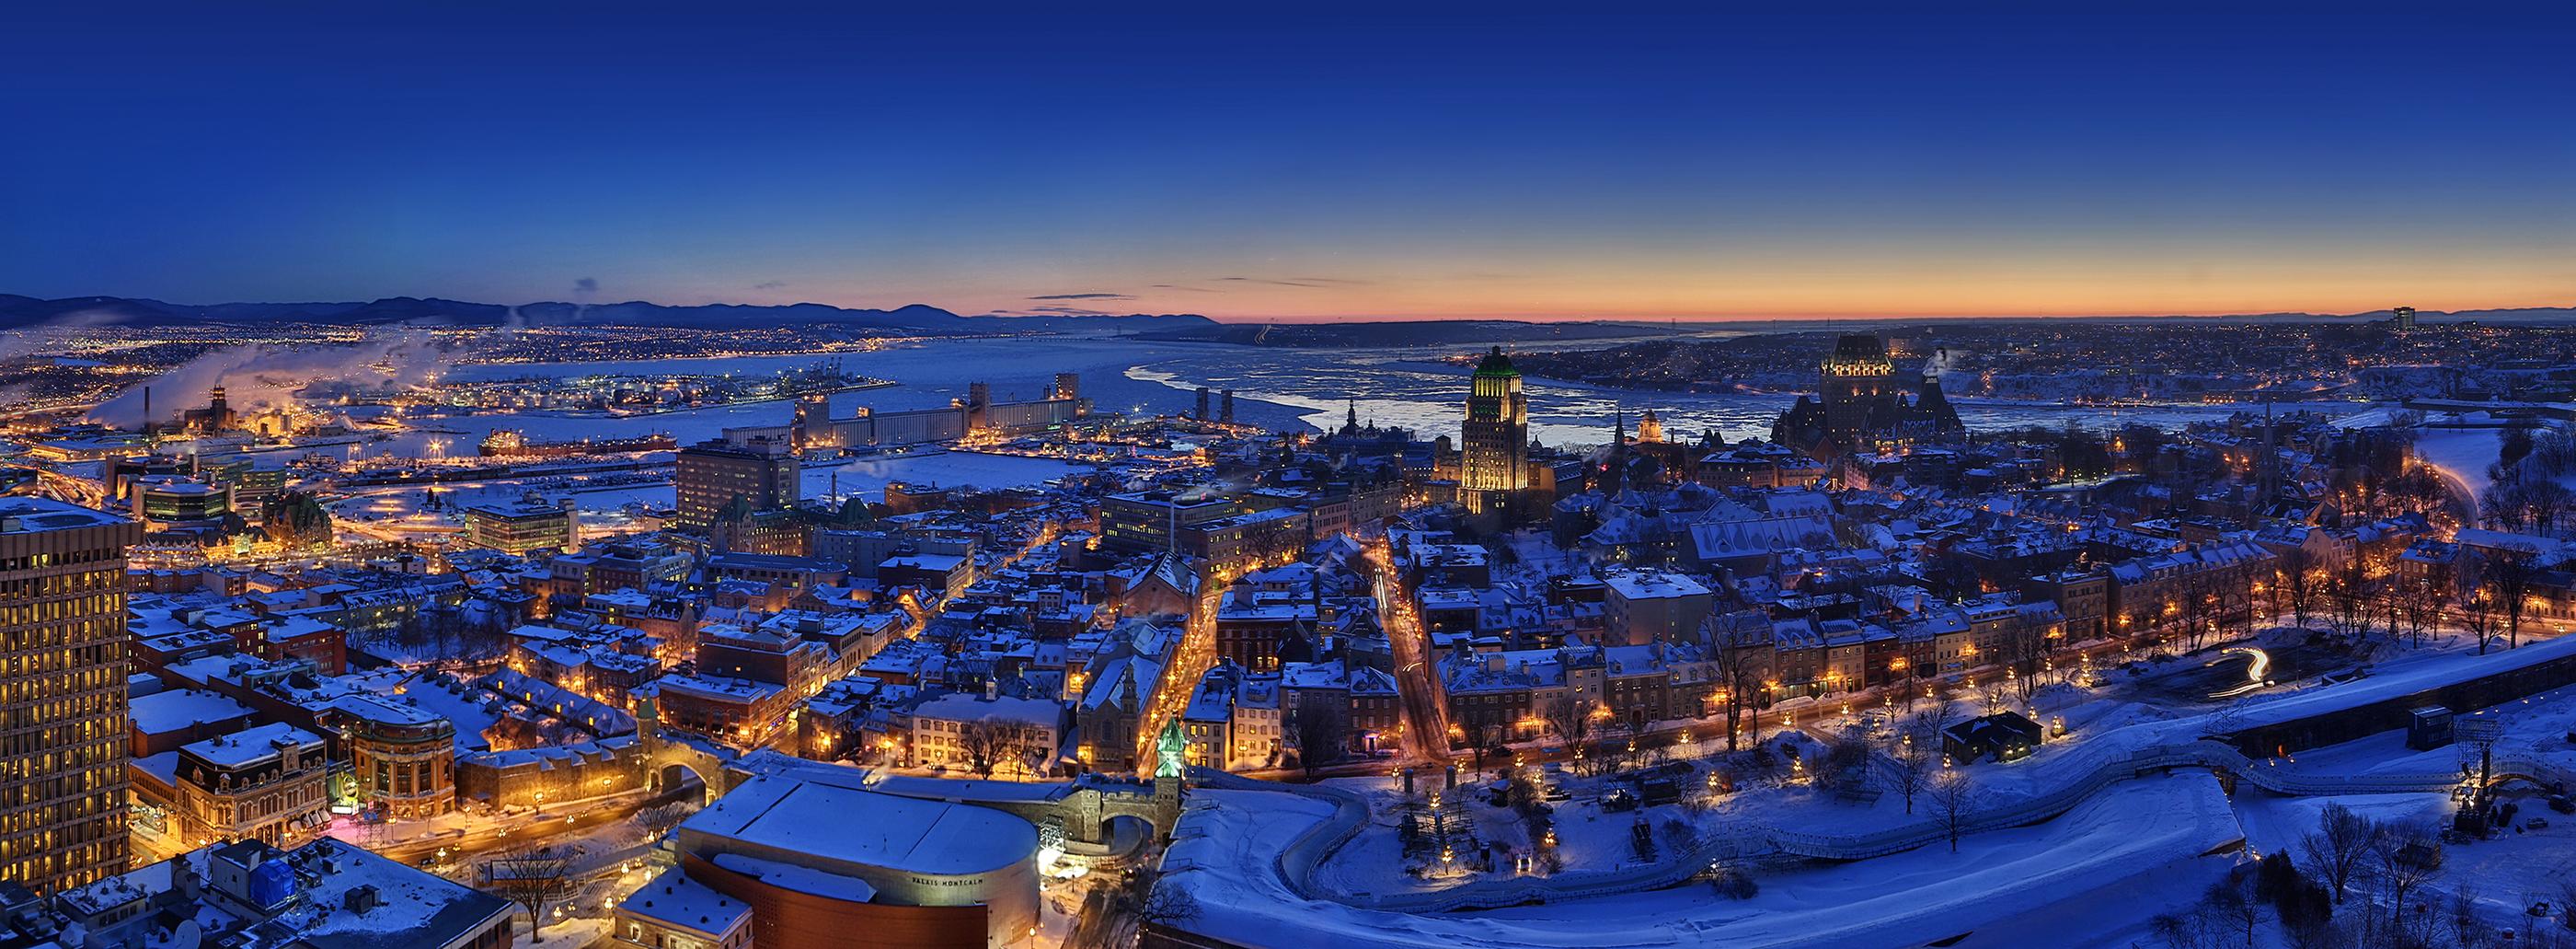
[1494, 441]
[1857, 377]
[1171, 768]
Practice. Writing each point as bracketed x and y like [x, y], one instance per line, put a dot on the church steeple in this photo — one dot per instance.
[1618, 449]
[1351, 423]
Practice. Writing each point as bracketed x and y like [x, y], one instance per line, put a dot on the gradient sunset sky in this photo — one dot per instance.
[1292, 163]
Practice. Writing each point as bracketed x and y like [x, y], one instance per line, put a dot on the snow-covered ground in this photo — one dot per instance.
[2140, 837]
[2463, 454]
[2535, 730]
[2151, 868]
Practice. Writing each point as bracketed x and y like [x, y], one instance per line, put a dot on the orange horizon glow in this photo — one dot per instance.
[1688, 316]
[1914, 281]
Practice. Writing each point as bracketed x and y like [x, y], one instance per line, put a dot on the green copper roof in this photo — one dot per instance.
[1496, 364]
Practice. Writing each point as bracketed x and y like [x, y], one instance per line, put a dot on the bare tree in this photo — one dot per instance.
[664, 816]
[1115, 917]
[1742, 646]
[2467, 929]
[988, 744]
[2180, 930]
[1909, 766]
[2478, 616]
[2025, 648]
[1935, 718]
[2236, 600]
[2567, 901]
[1167, 906]
[1679, 836]
[2424, 601]
[2405, 862]
[2349, 592]
[2297, 582]
[1322, 735]
[1954, 800]
[1571, 721]
[534, 876]
[2230, 903]
[2191, 606]
[2341, 846]
[2513, 568]
[2548, 503]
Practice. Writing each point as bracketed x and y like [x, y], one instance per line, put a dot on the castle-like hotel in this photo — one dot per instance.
[1863, 408]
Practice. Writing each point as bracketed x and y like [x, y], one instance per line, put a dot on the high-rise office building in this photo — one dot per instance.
[63, 726]
[1494, 441]
[763, 472]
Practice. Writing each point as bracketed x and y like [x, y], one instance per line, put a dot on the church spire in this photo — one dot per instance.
[1618, 449]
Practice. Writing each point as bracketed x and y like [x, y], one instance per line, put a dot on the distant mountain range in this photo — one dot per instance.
[18, 312]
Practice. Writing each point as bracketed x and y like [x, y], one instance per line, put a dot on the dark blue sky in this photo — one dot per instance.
[1293, 164]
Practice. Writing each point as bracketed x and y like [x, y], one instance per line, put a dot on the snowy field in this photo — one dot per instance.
[2144, 838]
[2463, 454]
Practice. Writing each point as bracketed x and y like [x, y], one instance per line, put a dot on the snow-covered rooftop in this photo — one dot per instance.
[675, 899]
[835, 819]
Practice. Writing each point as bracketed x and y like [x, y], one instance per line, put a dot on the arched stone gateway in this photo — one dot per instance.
[1089, 809]
[668, 764]
[678, 774]
[669, 760]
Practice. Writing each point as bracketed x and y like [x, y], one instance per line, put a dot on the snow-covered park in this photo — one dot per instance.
[2086, 842]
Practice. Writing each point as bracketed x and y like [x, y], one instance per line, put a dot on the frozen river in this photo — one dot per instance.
[1274, 387]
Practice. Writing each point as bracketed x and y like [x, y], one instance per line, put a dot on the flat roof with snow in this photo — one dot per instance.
[674, 899]
[835, 819]
[251, 745]
[177, 711]
[1654, 585]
